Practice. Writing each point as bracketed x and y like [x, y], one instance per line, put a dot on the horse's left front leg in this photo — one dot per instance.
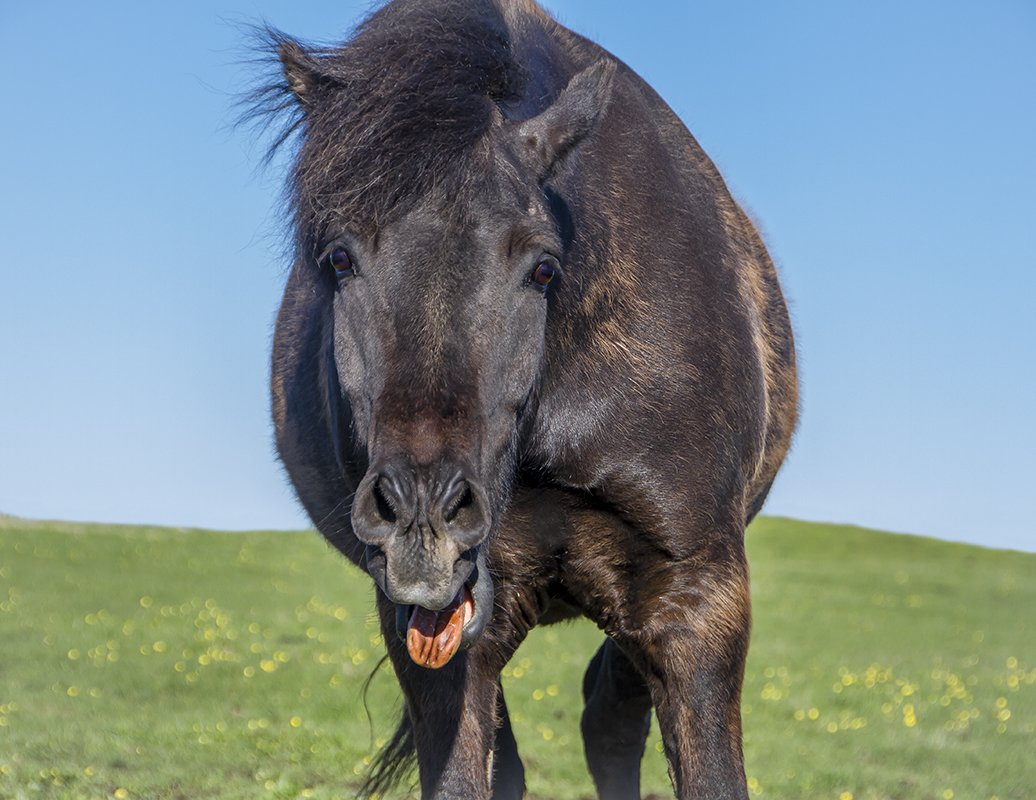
[453, 715]
[690, 643]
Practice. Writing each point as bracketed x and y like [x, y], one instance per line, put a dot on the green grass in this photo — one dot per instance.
[156, 663]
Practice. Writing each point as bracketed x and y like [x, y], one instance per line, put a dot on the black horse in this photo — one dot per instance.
[532, 362]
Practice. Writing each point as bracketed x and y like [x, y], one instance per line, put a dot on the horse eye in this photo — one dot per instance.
[543, 274]
[341, 262]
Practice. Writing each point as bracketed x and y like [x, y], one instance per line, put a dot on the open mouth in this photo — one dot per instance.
[433, 637]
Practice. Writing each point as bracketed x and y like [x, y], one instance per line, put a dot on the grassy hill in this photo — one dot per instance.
[157, 663]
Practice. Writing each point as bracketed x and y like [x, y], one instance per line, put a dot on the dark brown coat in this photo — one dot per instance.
[530, 349]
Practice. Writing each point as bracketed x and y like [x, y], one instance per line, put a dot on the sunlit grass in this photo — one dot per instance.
[151, 663]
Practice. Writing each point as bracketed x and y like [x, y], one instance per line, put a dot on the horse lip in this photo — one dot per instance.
[480, 585]
[405, 612]
[464, 572]
[481, 588]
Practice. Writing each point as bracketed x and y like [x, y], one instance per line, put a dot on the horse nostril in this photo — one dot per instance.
[458, 502]
[463, 512]
[382, 504]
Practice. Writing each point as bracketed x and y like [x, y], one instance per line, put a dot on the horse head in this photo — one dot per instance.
[438, 261]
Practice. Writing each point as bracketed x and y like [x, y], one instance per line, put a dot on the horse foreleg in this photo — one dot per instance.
[461, 732]
[508, 772]
[615, 723]
[691, 647]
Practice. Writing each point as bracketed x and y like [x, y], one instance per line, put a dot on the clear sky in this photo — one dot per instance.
[888, 150]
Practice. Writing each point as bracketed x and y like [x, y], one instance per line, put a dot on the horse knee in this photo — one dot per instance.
[697, 626]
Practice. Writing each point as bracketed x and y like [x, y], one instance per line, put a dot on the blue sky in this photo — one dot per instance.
[886, 149]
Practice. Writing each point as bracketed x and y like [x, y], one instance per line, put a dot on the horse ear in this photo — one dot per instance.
[302, 72]
[545, 140]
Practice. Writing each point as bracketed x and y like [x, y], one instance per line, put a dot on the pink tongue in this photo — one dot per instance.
[432, 637]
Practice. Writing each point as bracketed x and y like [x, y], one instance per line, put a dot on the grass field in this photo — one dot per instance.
[154, 663]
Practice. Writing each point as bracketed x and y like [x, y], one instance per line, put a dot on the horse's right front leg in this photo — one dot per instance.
[453, 716]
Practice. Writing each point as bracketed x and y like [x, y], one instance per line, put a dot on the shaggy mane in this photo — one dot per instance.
[399, 107]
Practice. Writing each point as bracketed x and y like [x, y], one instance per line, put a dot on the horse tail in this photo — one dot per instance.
[392, 763]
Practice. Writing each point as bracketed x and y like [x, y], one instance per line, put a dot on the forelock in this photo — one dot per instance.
[410, 98]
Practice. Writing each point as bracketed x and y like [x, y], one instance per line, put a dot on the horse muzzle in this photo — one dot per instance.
[424, 532]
